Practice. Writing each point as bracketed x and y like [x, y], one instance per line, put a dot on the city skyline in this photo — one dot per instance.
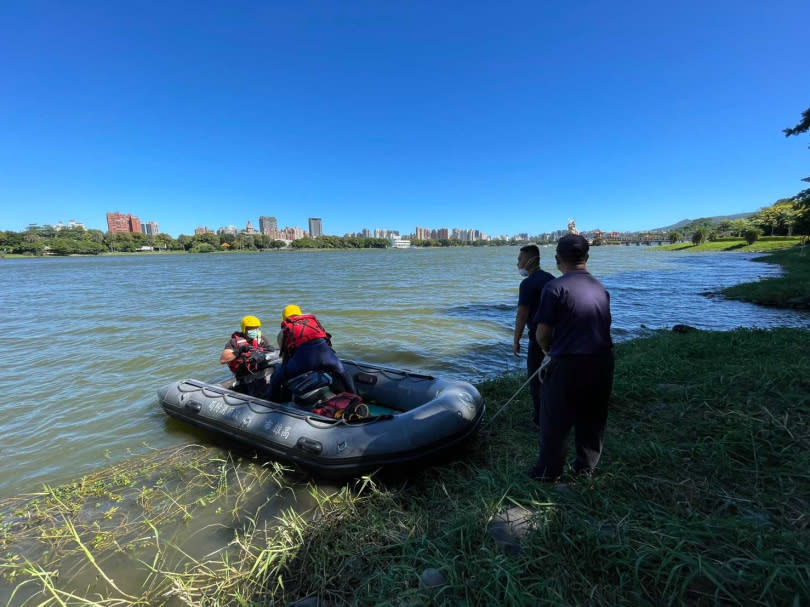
[118, 222]
[501, 119]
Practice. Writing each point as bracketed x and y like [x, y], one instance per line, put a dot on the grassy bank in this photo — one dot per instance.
[701, 498]
[789, 291]
[761, 246]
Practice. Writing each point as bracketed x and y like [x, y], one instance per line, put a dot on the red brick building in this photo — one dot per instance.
[122, 223]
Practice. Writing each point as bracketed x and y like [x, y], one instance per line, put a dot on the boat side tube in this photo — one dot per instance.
[436, 414]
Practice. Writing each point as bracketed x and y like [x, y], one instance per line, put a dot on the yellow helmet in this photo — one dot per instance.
[250, 321]
[291, 310]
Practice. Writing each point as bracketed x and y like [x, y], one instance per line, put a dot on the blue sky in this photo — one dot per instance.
[506, 117]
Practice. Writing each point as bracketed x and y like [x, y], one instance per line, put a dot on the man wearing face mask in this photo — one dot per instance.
[534, 279]
[237, 354]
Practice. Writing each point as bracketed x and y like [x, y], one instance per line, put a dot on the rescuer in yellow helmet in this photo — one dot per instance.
[305, 346]
[237, 355]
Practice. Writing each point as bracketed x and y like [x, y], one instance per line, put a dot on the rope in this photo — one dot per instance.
[526, 383]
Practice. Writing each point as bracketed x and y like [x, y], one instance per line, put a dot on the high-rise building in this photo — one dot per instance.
[315, 227]
[150, 228]
[268, 225]
[228, 230]
[122, 223]
[422, 233]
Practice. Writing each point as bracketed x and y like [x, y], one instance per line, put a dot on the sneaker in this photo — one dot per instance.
[579, 469]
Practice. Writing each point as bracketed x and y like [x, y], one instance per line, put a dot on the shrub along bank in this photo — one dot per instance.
[701, 498]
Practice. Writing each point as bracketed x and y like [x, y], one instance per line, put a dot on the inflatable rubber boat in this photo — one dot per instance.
[410, 416]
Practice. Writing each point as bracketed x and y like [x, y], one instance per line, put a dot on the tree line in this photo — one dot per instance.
[785, 217]
[41, 240]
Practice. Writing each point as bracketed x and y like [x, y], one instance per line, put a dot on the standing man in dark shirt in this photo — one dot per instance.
[528, 263]
[573, 327]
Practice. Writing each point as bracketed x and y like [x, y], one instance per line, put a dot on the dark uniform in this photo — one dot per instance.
[306, 346]
[531, 288]
[579, 379]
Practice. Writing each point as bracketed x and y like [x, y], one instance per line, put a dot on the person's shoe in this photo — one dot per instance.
[533, 474]
[580, 470]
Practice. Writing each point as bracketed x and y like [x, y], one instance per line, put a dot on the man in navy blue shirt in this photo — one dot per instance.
[528, 263]
[573, 327]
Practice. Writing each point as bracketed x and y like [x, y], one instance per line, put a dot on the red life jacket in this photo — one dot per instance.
[298, 330]
[238, 365]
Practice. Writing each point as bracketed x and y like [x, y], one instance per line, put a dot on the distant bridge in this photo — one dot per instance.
[632, 240]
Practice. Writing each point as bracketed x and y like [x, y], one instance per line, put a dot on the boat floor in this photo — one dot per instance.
[375, 410]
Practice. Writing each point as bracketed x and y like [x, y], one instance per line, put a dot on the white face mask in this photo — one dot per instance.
[523, 271]
[254, 334]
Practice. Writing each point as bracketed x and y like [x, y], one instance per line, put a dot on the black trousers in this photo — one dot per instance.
[533, 359]
[575, 393]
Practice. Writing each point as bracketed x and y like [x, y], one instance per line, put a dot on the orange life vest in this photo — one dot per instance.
[238, 365]
[298, 330]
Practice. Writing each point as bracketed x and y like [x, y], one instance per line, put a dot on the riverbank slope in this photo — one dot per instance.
[701, 497]
[789, 291]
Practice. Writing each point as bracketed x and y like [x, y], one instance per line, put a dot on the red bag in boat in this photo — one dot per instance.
[343, 406]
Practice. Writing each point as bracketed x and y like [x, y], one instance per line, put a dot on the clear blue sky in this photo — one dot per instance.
[503, 116]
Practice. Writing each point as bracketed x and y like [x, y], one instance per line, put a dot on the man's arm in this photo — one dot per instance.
[520, 324]
[543, 337]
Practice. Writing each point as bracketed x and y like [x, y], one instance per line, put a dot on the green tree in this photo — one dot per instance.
[185, 241]
[30, 244]
[124, 242]
[802, 127]
[700, 235]
[95, 236]
[202, 247]
[675, 236]
[62, 246]
[751, 234]
[304, 243]
[801, 221]
[738, 226]
[207, 238]
[163, 241]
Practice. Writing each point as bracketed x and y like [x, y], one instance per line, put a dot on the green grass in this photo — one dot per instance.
[761, 246]
[789, 291]
[701, 498]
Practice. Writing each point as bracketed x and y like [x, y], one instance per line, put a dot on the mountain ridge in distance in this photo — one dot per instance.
[715, 219]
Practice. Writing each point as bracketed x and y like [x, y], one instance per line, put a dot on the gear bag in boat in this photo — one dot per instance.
[311, 390]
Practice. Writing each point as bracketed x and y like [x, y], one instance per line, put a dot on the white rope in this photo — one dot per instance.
[531, 377]
[546, 361]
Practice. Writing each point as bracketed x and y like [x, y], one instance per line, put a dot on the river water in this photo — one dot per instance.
[88, 340]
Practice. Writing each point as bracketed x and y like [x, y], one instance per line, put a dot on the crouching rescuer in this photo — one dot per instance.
[247, 355]
[309, 363]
